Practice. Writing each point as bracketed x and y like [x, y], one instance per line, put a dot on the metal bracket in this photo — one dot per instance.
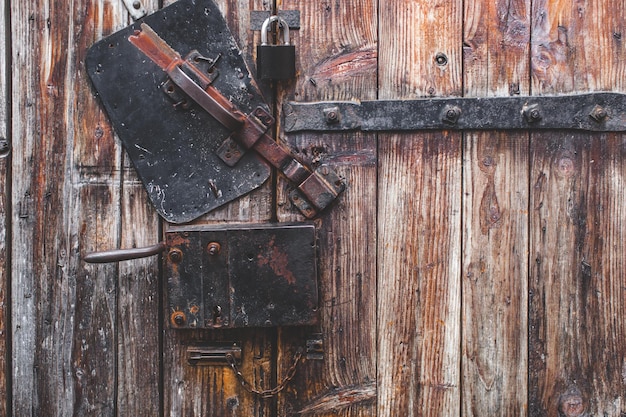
[598, 112]
[135, 9]
[315, 347]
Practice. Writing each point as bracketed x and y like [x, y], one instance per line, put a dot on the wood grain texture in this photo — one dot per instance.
[495, 265]
[577, 287]
[214, 390]
[139, 359]
[66, 182]
[5, 234]
[337, 56]
[419, 217]
[495, 216]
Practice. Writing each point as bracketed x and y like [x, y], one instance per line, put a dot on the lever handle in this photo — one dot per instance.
[117, 255]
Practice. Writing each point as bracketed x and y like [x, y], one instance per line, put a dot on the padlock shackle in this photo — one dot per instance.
[281, 23]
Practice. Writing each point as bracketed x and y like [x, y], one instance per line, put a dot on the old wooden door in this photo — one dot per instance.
[476, 273]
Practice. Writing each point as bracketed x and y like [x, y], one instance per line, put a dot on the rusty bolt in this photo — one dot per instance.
[532, 113]
[332, 115]
[451, 114]
[179, 318]
[598, 114]
[176, 255]
[214, 248]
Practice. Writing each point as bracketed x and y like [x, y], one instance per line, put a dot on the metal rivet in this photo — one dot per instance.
[451, 114]
[441, 59]
[532, 113]
[179, 318]
[137, 5]
[176, 255]
[331, 115]
[598, 113]
[214, 248]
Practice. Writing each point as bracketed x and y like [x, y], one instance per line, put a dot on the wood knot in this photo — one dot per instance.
[571, 403]
[565, 166]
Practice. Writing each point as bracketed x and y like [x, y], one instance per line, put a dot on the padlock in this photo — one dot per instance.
[275, 62]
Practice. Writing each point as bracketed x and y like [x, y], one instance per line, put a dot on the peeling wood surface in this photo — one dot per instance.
[460, 273]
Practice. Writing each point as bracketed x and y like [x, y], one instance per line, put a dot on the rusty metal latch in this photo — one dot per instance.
[192, 118]
[599, 112]
[218, 353]
[315, 190]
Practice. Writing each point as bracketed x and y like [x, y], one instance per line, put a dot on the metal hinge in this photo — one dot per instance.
[599, 112]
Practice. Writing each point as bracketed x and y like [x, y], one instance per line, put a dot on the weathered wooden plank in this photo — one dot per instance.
[578, 280]
[139, 358]
[214, 390]
[419, 202]
[139, 324]
[495, 226]
[5, 201]
[495, 242]
[66, 168]
[337, 56]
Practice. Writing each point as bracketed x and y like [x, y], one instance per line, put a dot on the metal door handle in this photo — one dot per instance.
[117, 255]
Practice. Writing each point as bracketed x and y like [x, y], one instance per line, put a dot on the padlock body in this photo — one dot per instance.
[276, 62]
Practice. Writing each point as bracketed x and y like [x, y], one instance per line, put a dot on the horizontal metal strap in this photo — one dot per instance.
[599, 112]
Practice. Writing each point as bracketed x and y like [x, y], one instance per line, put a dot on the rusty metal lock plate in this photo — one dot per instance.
[171, 141]
[241, 276]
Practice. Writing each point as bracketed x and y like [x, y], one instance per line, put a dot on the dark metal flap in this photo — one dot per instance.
[171, 143]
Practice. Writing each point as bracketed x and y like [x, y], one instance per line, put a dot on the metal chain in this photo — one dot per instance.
[269, 392]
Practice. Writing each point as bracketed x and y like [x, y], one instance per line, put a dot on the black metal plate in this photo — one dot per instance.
[173, 149]
[262, 275]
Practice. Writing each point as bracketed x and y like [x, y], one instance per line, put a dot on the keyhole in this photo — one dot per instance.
[217, 315]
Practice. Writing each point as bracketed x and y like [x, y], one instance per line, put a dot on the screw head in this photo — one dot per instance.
[598, 113]
[451, 114]
[532, 113]
[214, 248]
[441, 59]
[332, 115]
[176, 255]
[178, 318]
